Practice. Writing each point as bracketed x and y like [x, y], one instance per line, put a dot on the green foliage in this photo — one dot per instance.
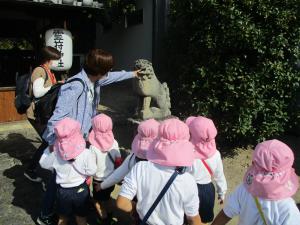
[234, 61]
[118, 8]
[10, 43]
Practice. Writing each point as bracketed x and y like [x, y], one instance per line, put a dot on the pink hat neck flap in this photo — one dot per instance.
[101, 135]
[69, 141]
[172, 148]
[271, 175]
[147, 132]
[203, 133]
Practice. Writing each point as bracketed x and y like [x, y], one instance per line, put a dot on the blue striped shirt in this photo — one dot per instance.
[82, 110]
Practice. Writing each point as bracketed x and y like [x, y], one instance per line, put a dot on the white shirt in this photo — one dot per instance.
[119, 174]
[202, 176]
[70, 174]
[91, 92]
[146, 180]
[280, 212]
[105, 166]
[38, 88]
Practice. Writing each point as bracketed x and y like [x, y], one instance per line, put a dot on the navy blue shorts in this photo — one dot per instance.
[206, 193]
[102, 195]
[73, 201]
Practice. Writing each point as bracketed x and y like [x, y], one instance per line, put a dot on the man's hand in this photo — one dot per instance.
[137, 73]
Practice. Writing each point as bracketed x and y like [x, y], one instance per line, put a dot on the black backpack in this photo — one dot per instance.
[22, 97]
[45, 105]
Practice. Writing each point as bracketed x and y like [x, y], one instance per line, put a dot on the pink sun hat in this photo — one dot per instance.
[189, 120]
[203, 133]
[69, 140]
[101, 135]
[147, 132]
[271, 175]
[172, 147]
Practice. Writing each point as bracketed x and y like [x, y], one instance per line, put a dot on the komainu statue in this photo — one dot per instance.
[154, 97]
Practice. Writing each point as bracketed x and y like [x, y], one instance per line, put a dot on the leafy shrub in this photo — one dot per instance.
[235, 61]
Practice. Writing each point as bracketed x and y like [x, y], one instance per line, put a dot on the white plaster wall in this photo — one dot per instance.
[129, 44]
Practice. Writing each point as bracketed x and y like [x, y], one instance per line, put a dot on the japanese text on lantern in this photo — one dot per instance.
[58, 44]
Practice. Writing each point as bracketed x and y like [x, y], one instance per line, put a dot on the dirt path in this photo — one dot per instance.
[20, 199]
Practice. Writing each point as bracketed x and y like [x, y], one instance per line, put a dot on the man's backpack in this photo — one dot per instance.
[22, 97]
[45, 105]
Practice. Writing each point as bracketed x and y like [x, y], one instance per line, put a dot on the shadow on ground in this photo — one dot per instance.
[292, 141]
[26, 194]
[15, 153]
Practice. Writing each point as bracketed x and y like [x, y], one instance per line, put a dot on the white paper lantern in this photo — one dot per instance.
[61, 39]
[67, 1]
[87, 2]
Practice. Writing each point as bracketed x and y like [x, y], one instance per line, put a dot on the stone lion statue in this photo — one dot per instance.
[154, 97]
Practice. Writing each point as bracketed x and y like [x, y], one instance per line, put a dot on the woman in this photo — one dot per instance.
[42, 79]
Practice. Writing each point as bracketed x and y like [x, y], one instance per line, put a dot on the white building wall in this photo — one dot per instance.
[129, 44]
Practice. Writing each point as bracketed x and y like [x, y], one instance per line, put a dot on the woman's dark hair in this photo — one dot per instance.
[97, 62]
[49, 53]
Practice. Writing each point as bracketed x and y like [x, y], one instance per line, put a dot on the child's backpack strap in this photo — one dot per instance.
[261, 213]
[138, 159]
[132, 155]
[75, 168]
[88, 179]
[111, 158]
[117, 162]
[207, 167]
[178, 171]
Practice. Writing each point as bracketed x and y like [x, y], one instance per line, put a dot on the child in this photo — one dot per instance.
[72, 163]
[207, 165]
[147, 179]
[147, 132]
[107, 153]
[264, 198]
